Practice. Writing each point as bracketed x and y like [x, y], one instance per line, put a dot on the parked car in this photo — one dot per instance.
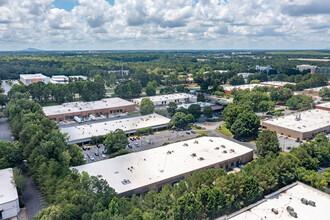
[96, 154]
[138, 138]
[130, 146]
[137, 144]
[188, 132]
[98, 146]
[92, 158]
[288, 148]
[104, 156]
[104, 152]
[84, 148]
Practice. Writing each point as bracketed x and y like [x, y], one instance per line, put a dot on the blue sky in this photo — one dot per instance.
[170, 24]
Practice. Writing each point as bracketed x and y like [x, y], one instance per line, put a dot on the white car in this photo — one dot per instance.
[103, 156]
[92, 158]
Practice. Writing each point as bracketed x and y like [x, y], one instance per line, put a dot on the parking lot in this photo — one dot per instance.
[287, 143]
[90, 153]
[160, 139]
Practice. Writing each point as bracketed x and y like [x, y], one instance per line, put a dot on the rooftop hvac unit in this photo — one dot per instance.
[193, 154]
[275, 211]
[201, 158]
[304, 201]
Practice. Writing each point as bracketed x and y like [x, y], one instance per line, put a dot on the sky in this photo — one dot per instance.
[164, 24]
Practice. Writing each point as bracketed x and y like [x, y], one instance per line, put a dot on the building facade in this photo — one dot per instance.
[28, 79]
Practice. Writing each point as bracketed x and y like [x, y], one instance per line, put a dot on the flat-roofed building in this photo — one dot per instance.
[244, 75]
[59, 79]
[228, 89]
[166, 99]
[139, 172]
[314, 91]
[83, 133]
[78, 77]
[302, 125]
[84, 109]
[276, 84]
[305, 203]
[305, 67]
[9, 204]
[28, 79]
[324, 106]
[263, 68]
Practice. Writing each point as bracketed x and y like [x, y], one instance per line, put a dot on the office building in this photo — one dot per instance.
[28, 79]
[166, 99]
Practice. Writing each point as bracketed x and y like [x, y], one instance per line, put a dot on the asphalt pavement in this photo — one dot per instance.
[5, 133]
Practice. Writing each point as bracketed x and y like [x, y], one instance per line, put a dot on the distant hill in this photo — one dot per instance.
[32, 50]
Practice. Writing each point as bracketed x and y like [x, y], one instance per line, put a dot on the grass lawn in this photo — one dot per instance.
[133, 113]
[202, 133]
[224, 130]
[197, 127]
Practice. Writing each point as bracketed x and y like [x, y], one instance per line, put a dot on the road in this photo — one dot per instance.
[5, 133]
[33, 199]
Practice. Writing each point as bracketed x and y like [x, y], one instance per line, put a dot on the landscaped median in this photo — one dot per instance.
[224, 130]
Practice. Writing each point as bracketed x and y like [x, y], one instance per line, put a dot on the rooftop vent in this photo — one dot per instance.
[193, 154]
[201, 158]
[231, 151]
[170, 152]
[99, 176]
[216, 148]
[125, 182]
[223, 146]
[195, 142]
[311, 203]
[224, 151]
[304, 201]
[185, 145]
[210, 140]
[275, 211]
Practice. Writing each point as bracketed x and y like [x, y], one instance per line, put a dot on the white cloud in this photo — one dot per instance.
[171, 24]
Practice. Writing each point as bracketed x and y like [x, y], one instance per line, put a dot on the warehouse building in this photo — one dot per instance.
[140, 172]
[9, 204]
[276, 84]
[324, 106]
[166, 99]
[302, 125]
[314, 92]
[83, 133]
[295, 201]
[28, 79]
[67, 111]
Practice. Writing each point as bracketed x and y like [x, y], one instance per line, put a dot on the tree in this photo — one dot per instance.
[208, 112]
[10, 155]
[190, 118]
[19, 180]
[147, 106]
[325, 93]
[267, 142]
[115, 141]
[151, 88]
[265, 106]
[3, 99]
[179, 120]
[245, 125]
[195, 110]
[236, 80]
[300, 102]
[281, 95]
[172, 107]
[200, 97]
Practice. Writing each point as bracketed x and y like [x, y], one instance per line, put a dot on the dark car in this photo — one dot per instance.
[98, 146]
[103, 152]
[84, 148]
[187, 132]
[130, 146]
[96, 154]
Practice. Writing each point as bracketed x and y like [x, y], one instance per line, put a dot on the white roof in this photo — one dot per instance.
[167, 97]
[86, 131]
[324, 105]
[290, 197]
[8, 190]
[276, 83]
[33, 76]
[201, 104]
[316, 89]
[309, 120]
[72, 107]
[158, 164]
[78, 77]
[245, 86]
